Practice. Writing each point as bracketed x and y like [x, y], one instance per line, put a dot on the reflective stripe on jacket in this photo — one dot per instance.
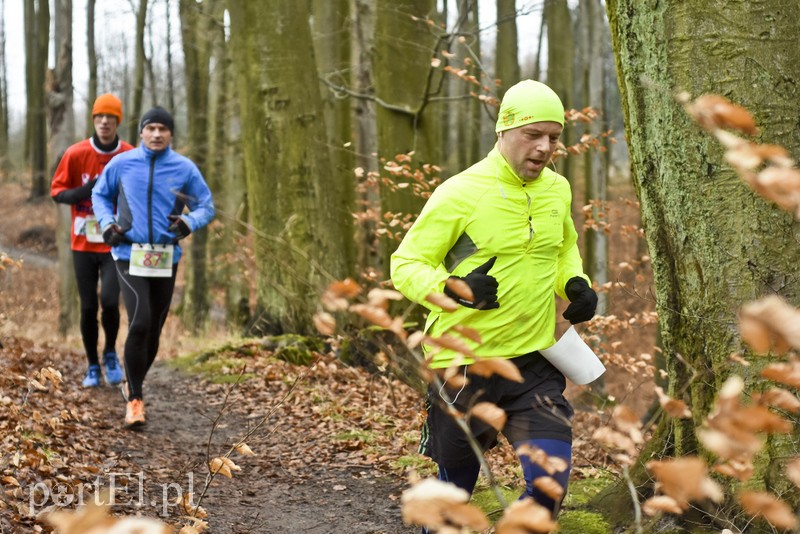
[149, 186]
[485, 211]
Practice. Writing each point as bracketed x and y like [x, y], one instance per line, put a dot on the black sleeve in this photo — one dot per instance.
[73, 196]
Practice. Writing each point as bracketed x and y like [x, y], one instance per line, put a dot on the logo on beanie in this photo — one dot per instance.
[508, 118]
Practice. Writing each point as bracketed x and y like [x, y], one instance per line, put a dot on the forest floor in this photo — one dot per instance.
[333, 445]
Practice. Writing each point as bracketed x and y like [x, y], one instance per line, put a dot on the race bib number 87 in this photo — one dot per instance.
[151, 260]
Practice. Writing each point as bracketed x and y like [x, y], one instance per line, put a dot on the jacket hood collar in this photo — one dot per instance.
[155, 153]
[507, 175]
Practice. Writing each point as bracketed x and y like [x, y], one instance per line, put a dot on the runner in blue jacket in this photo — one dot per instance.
[150, 186]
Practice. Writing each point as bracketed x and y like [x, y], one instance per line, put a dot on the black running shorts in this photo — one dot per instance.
[536, 408]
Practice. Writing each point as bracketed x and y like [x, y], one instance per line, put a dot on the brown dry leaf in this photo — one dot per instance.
[380, 297]
[770, 323]
[661, 503]
[500, 366]
[436, 504]
[729, 445]
[325, 323]
[469, 333]
[443, 301]
[760, 419]
[685, 479]
[771, 508]
[741, 471]
[627, 421]
[793, 471]
[673, 407]
[333, 303]
[714, 111]
[245, 450]
[415, 339]
[490, 413]
[373, 314]
[779, 398]
[9, 481]
[217, 465]
[525, 516]
[781, 185]
[347, 288]
[94, 519]
[614, 440]
[460, 288]
[456, 344]
[550, 487]
[783, 373]
[551, 464]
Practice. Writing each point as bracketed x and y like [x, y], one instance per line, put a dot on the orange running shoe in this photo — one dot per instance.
[134, 415]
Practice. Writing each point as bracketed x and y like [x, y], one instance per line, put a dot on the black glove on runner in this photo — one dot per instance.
[583, 301]
[113, 235]
[178, 227]
[483, 286]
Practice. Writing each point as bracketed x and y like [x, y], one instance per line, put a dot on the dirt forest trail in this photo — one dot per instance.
[297, 481]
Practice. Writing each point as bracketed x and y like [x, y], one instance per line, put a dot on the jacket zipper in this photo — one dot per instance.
[150, 199]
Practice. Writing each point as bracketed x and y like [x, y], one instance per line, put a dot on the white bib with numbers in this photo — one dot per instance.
[151, 260]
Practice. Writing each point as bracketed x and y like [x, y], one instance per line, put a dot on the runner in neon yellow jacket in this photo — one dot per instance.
[504, 227]
[488, 210]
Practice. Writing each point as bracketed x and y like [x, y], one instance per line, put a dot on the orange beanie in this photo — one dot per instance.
[108, 104]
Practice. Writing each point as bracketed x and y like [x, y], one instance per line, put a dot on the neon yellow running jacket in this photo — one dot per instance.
[484, 211]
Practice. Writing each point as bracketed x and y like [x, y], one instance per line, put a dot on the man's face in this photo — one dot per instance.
[528, 149]
[105, 126]
[156, 136]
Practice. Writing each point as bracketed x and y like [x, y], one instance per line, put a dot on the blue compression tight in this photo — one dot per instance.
[466, 476]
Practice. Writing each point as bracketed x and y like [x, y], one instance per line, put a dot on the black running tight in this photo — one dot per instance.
[91, 267]
[147, 301]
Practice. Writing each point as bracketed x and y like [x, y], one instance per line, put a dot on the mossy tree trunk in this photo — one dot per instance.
[199, 21]
[138, 74]
[37, 46]
[507, 54]
[715, 244]
[298, 239]
[403, 48]
[332, 37]
[561, 67]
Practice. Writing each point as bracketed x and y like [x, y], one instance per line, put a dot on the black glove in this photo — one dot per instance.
[113, 235]
[583, 301]
[178, 227]
[483, 286]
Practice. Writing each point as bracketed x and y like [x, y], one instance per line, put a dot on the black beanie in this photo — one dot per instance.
[158, 115]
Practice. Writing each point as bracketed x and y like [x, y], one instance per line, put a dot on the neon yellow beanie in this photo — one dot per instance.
[527, 102]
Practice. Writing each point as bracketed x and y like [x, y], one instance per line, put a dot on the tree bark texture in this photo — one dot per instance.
[37, 41]
[91, 52]
[561, 67]
[138, 74]
[298, 240]
[507, 51]
[332, 36]
[715, 244]
[4, 159]
[198, 22]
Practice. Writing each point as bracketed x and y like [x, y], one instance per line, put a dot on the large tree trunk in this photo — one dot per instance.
[198, 20]
[226, 178]
[715, 245]
[91, 94]
[4, 159]
[298, 239]
[404, 47]
[369, 257]
[138, 73]
[560, 67]
[62, 128]
[37, 41]
[507, 53]
[170, 75]
[332, 36]
[592, 16]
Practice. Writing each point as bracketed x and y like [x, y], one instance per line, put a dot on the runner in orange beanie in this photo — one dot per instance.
[108, 104]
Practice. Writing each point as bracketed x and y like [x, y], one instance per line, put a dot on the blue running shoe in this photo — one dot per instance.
[92, 378]
[113, 370]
